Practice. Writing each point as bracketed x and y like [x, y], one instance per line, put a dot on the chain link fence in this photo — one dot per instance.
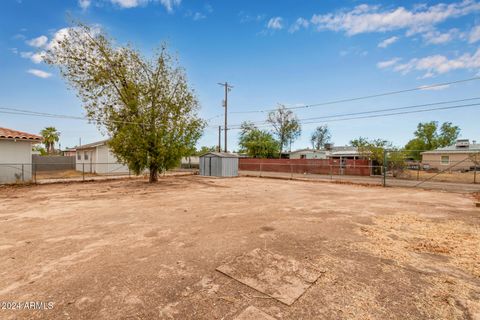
[16, 173]
[425, 168]
[397, 168]
[23, 173]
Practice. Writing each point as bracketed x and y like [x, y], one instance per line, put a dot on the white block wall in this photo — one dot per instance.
[12, 155]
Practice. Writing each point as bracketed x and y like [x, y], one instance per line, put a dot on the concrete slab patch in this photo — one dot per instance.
[252, 313]
[280, 277]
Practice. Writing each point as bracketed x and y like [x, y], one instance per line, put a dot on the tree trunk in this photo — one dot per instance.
[153, 174]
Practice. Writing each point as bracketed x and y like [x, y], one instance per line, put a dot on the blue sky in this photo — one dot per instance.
[292, 52]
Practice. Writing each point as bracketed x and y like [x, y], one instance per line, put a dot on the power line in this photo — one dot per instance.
[377, 111]
[386, 114]
[57, 116]
[436, 85]
[17, 111]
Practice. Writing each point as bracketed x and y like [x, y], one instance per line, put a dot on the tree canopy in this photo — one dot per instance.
[50, 136]
[320, 137]
[145, 105]
[379, 151]
[286, 126]
[257, 143]
[430, 136]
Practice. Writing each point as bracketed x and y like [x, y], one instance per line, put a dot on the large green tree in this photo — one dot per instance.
[429, 136]
[50, 136]
[145, 105]
[320, 137]
[257, 143]
[286, 126]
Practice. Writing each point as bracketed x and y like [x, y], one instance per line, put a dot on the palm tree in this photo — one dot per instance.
[50, 136]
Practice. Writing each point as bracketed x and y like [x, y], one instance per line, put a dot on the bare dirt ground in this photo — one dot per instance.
[371, 181]
[58, 174]
[452, 176]
[130, 250]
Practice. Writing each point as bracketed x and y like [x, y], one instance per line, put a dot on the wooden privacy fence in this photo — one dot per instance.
[357, 167]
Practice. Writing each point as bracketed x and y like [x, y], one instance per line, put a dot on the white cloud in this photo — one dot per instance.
[168, 4]
[365, 18]
[38, 42]
[246, 17]
[198, 16]
[299, 24]
[35, 57]
[436, 37]
[440, 64]
[275, 23]
[128, 3]
[61, 34]
[40, 73]
[474, 35]
[388, 63]
[385, 43]
[436, 88]
[84, 4]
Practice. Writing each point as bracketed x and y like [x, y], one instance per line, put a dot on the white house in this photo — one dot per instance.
[16, 155]
[98, 158]
[308, 154]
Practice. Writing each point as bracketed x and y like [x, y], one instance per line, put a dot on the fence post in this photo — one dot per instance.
[23, 173]
[291, 171]
[260, 169]
[83, 171]
[475, 167]
[418, 170]
[384, 167]
[34, 168]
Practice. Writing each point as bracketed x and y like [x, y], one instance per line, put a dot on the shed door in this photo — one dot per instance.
[207, 166]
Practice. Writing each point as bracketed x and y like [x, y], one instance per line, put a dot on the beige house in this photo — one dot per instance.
[16, 155]
[98, 158]
[463, 155]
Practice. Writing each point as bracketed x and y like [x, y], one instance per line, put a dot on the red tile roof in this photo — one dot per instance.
[14, 134]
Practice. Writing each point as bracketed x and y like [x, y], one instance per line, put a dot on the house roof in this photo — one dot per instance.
[93, 144]
[6, 133]
[472, 148]
[307, 150]
[221, 154]
[334, 151]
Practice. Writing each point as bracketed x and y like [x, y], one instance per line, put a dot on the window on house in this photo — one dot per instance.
[79, 156]
[445, 160]
[86, 156]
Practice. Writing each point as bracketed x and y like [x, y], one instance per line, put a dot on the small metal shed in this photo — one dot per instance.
[219, 164]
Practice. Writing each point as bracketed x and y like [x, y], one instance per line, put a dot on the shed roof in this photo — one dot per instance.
[6, 133]
[93, 144]
[220, 154]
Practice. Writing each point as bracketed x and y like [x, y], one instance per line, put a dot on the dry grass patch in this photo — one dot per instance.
[412, 241]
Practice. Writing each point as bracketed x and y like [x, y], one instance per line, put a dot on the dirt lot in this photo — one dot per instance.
[130, 250]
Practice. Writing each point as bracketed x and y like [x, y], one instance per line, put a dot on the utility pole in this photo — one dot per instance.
[225, 105]
[219, 139]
